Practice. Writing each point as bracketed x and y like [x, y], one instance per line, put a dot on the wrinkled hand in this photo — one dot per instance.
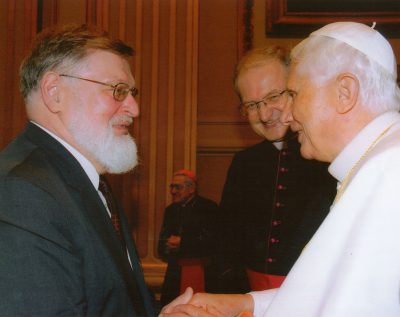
[188, 310]
[208, 305]
[229, 305]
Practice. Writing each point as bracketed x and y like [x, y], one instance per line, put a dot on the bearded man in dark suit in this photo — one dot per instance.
[60, 253]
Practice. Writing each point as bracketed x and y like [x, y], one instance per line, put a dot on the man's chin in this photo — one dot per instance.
[119, 155]
[120, 131]
[275, 135]
[305, 152]
[277, 132]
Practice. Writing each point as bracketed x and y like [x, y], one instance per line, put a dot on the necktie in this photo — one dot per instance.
[105, 189]
[140, 301]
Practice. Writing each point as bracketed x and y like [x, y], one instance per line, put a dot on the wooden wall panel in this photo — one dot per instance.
[183, 72]
[18, 26]
[223, 137]
[211, 169]
[221, 130]
[218, 54]
[6, 59]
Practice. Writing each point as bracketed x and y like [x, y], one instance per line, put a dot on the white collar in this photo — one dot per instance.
[352, 152]
[87, 166]
[279, 145]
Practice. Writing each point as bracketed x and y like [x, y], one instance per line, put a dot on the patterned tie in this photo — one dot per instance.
[142, 301]
[105, 189]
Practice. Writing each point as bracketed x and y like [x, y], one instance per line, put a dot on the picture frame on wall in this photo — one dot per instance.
[297, 18]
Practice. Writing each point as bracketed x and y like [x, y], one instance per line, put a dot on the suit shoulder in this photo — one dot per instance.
[207, 201]
[171, 208]
[23, 161]
[17, 154]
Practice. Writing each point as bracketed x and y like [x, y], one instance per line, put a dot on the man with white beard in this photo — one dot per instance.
[61, 251]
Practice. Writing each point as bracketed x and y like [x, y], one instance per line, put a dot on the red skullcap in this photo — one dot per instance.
[187, 173]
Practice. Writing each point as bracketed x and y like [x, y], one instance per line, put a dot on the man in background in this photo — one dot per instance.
[188, 234]
[273, 200]
[60, 253]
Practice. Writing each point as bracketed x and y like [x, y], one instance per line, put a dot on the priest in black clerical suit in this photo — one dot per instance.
[273, 199]
[273, 202]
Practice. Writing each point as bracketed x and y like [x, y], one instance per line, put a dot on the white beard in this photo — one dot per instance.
[116, 154]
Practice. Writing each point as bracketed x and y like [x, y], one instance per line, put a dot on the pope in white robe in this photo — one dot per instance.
[351, 267]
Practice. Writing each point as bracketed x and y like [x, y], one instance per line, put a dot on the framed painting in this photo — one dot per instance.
[297, 18]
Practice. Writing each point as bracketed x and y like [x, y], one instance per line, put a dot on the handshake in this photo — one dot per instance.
[209, 305]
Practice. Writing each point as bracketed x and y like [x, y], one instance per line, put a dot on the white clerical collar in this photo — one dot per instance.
[87, 166]
[351, 153]
[279, 145]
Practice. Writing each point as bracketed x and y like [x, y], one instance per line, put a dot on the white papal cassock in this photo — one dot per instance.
[351, 267]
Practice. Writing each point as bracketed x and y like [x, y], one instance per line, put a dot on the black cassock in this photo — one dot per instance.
[273, 201]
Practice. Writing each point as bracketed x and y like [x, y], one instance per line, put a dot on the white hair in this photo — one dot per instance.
[322, 58]
[116, 154]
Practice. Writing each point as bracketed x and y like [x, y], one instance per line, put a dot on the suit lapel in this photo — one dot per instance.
[94, 209]
[136, 266]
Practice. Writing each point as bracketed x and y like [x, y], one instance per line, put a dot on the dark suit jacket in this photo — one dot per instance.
[272, 203]
[60, 255]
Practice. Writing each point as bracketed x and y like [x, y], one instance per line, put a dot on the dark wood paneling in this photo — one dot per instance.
[18, 26]
[212, 169]
[218, 54]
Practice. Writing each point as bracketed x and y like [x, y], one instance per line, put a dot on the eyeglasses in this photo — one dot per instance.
[120, 90]
[291, 93]
[253, 106]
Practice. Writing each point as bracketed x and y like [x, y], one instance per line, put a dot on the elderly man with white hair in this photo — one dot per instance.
[344, 106]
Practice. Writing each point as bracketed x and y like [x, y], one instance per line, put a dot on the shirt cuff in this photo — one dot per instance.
[262, 300]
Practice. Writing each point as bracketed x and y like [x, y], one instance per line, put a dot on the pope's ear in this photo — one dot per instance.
[348, 88]
[50, 91]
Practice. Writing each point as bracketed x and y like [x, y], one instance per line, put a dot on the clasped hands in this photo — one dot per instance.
[173, 242]
[209, 305]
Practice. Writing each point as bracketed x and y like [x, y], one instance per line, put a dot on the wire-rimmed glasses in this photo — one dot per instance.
[120, 90]
[269, 100]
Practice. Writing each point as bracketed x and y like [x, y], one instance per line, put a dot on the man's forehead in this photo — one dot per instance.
[292, 77]
[179, 179]
[111, 65]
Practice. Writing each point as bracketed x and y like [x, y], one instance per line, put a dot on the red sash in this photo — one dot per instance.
[192, 274]
[260, 281]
